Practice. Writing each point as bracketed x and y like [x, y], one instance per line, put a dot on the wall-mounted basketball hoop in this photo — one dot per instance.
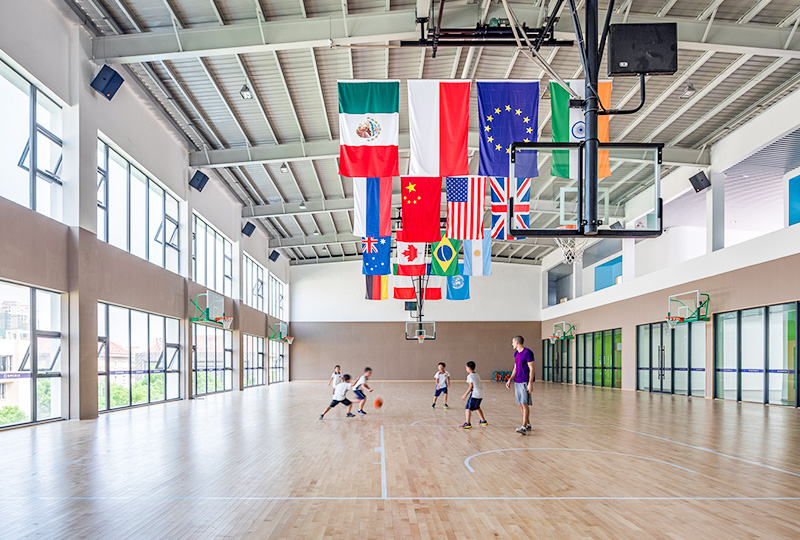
[562, 330]
[214, 310]
[280, 332]
[687, 307]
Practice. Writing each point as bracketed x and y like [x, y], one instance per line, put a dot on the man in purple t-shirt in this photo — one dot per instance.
[523, 378]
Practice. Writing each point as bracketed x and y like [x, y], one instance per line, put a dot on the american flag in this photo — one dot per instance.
[522, 204]
[465, 205]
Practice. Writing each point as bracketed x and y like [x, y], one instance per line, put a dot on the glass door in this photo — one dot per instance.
[608, 358]
[662, 358]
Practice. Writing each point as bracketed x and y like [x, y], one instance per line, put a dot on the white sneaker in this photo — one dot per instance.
[521, 429]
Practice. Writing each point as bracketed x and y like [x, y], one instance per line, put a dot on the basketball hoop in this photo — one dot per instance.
[225, 321]
[553, 339]
[421, 339]
[571, 246]
[289, 339]
[673, 321]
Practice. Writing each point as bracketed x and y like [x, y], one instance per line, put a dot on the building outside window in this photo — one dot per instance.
[134, 212]
[253, 361]
[212, 257]
[253, 283]
[26, 110]
[138, 357]
[30, 355]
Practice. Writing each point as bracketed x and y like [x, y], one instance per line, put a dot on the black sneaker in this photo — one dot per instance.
[361, 412]
[321, 416]
[528, 427]
[433, 405]
[349, 415]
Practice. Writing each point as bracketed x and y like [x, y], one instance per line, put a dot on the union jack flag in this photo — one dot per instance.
[520, 189]
[369, 245]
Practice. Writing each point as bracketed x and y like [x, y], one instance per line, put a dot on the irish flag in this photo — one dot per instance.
[569, 127]
[369, 120]
[438, 120]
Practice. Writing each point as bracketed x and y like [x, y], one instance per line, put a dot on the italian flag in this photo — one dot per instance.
[438, 121]
[369, 119]
[569, 127]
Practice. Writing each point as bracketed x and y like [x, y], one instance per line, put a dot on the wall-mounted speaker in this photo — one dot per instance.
[274, 256]
[248, 229]
[107, 82]
[700, 181]
[198, 181]
[643, 48]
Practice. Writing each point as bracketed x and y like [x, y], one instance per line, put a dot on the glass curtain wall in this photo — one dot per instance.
[557, 360]
[212, 359]
[671, 361]
[134, 212]
[138, 357]
[253, 283]
[30, 355]
[277, 293]
[31, 133]
[277, 366]
[600, 358]
[211, 257]
[756, 355]
[253, 361]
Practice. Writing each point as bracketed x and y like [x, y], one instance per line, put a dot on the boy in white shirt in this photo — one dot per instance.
[362, 382]
[340, 396]
[475, 393]
[442, 379]
[336, 377]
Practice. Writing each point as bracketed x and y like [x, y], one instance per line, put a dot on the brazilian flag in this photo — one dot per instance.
[445, 257]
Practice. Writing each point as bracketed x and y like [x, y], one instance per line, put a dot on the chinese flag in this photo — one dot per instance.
[421, 208]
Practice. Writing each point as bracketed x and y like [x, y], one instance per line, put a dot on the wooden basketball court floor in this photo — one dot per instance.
[259, 464]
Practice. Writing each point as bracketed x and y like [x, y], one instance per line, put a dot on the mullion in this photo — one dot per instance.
[766, 356]
[33, 165]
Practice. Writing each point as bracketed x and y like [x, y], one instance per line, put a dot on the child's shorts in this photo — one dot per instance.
[345, 401]
[359, 395]
[473, 404]
[441, 391]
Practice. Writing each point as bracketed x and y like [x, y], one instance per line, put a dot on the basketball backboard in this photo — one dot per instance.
[208, 307]
[420, 331]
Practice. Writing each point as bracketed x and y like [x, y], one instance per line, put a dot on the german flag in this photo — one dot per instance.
[377, 287]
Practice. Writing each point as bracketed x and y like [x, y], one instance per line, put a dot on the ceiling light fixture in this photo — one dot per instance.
[688, 92]
[316, 233]
[302, 205]
[284, 167]
[246, 93]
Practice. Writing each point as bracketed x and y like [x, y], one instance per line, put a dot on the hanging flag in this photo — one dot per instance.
[422, 199]
[410, 256]
[373, 207]
[508, 111]
[478, 257]
[433, 285]
[369, 119]
[444, 257]
[375, 254]
[458, 286]
[520, 189]
[406, 287]
[466, 197]
[569, 126]
[438, 118]
[377, 287]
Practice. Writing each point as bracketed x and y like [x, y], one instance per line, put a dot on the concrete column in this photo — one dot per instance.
[628, 259]
[715, 213]
[577, 279]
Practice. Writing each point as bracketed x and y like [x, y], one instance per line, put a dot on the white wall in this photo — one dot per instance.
[676, 245]
[335, 292]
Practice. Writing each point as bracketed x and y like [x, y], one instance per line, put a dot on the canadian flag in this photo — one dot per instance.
[410, 257]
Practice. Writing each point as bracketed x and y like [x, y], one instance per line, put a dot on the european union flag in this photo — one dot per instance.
[508, 112]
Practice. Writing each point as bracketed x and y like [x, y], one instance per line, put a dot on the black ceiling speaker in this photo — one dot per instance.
[274, 256]
[107, 82]
[643, 48]
[198, 181]
[700, 182]
[248, 229]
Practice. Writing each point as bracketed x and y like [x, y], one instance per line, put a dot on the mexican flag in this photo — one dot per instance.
[369, 120]
[569, 127]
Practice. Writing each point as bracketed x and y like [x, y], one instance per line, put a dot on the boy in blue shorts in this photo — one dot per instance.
[475, 394]
[340, 396]
[442, 379]
[362, 382]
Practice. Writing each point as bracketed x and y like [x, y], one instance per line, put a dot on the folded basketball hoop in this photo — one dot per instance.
[571, 246]
[673, 321]
[225, 321]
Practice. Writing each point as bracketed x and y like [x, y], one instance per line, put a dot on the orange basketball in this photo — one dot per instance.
[378, 403]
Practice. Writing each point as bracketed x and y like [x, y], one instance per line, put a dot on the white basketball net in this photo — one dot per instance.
[572, 248]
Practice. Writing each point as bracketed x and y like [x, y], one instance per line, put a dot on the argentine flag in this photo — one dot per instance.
[478, 256]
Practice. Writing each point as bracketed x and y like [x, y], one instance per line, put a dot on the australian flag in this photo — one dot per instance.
[508, 112]
[375, 253]
[501, 188]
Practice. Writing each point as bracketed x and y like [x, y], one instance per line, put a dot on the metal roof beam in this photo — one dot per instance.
[348, 258]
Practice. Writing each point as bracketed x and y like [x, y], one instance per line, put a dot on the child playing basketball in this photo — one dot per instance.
[475, 394]
[442, 379]
[340, 396]
[362, 382]
[336, 377]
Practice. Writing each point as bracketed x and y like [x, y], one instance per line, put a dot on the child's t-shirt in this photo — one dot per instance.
[340, 391]
[337, 378]
[361, 380]
[441, 379]
[477, 387]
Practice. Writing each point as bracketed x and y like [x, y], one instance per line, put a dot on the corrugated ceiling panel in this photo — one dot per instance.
[333, 65]
[369, 63]
[266, 78]
[305, 177]
[298, 70]
[440, 67]
[328, 172]
[263, 183]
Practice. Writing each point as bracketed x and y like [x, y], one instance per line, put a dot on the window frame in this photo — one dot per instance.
[253, 283]
[222, 260]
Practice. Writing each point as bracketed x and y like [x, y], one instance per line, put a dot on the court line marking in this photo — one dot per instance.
[543, 498]
[466, 461]
[709, 450]
[382, 450]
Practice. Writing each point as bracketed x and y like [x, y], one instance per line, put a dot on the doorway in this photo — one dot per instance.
[671, 361]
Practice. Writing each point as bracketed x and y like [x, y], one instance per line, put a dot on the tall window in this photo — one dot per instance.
[134, 212]
[277, 351]
[212, 359]
[212, 256]
[30, 355]
[599, 356]
[253, 361]
[138, 357]
[277, 291]
[253, 283]
[31, 133]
